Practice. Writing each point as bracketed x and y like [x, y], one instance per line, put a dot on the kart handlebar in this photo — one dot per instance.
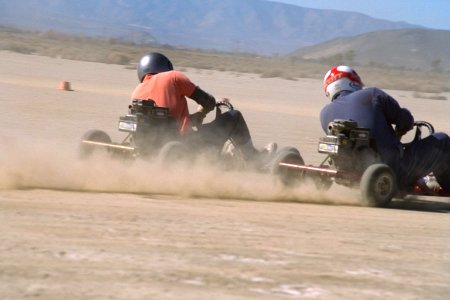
[224, 103]
[418, 125]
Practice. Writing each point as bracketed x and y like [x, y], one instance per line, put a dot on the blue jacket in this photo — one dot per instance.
[374, 109]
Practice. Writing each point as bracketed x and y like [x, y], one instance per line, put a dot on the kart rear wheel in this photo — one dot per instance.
[289, 177]
[378, 185]
[94, 135]
[173, 152]
[322, 183]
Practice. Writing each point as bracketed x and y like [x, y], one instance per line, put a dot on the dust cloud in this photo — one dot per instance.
[39, 164]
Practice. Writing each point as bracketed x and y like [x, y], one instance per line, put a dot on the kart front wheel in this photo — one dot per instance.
[378, 185]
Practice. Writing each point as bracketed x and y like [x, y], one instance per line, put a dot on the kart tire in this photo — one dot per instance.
[287, 176]
[378, 185]
[322, 183]
[94, 135]
[173, 152]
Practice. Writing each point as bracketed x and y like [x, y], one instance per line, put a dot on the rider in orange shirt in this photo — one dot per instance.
[169, 88]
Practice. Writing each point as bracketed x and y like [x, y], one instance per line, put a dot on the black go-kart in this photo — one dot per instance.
[152, 133]
[352, 160]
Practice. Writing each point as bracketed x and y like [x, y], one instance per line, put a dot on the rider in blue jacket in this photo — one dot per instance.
[374, 109]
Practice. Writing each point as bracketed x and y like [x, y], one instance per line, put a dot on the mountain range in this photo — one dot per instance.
[421, 49]
[255, 26]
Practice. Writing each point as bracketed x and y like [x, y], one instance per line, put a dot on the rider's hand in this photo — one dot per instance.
[399, 132]
[197, 118]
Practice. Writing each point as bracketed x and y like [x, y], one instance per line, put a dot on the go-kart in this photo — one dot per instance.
[152, 133]
[351, 160]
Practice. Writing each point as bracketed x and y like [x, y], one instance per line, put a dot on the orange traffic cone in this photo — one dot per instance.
[64, 86]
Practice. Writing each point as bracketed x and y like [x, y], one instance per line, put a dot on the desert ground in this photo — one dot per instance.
[107, 229]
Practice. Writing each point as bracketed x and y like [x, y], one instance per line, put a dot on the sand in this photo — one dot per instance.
[106, 229]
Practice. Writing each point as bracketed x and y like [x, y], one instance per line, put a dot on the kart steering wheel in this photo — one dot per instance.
[418, 133]
[225, 103]
[220, 106]
[419, 125]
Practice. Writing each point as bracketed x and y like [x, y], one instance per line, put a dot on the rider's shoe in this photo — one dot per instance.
[263, 157]
[270, 148]
[429, 186]
[425, 186]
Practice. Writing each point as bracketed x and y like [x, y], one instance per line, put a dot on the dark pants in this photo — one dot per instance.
[431, 154]
[228, 125]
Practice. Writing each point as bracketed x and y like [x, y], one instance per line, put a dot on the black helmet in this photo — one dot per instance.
[153, 63]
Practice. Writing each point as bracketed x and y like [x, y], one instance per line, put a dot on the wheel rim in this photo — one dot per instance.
[383, 185]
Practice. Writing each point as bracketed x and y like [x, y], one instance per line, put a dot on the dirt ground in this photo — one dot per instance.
[105, 229]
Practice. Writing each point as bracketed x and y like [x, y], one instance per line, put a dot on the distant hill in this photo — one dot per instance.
[255, 26]
[421, 49]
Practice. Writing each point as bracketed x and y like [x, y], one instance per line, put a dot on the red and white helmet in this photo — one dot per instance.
[341, 78]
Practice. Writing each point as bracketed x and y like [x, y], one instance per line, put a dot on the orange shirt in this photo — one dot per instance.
[168, 89]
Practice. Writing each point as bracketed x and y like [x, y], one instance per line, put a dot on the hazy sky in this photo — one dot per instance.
[429, 13]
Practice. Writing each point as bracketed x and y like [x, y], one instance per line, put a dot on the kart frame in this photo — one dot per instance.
[376, 180]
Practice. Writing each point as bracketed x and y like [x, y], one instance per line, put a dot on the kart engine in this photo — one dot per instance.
[149, 125]
[348, 147]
